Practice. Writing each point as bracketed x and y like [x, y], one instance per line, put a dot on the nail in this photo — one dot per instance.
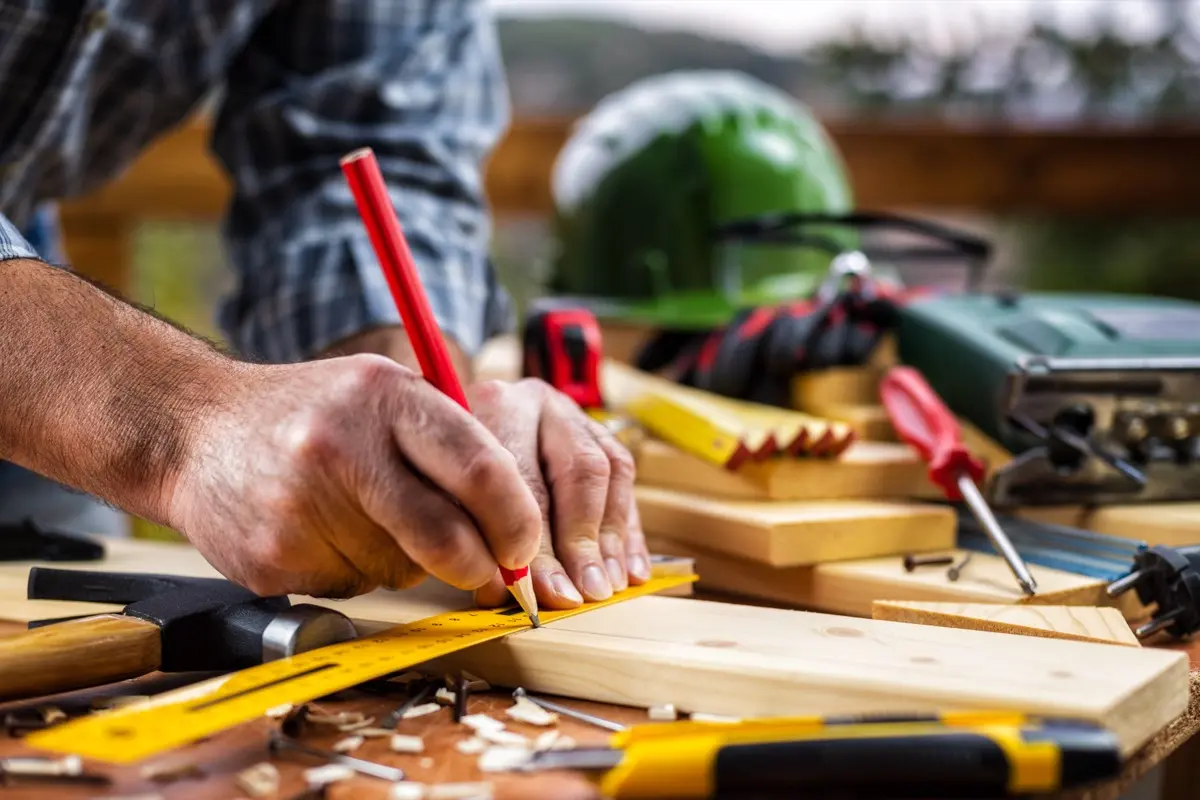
[638, 567]
[595, 583]
[616, 574]
[564, 588]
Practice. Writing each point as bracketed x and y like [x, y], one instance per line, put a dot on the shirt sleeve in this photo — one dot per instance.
[12, 243]
[421, 83]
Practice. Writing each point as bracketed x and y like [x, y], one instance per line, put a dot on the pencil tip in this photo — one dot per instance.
[537, 622]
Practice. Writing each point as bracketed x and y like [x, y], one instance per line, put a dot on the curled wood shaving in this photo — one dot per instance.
[479, 722]
[348, 745]
[525, 710]
[663, 713]
[502, 736]
[166, 773]
[421, 710]
[445, 696]
[407, 744]
[330, 773]
[374, 733]
[407, 790]
[366, 722]
[472, 746]
[459, 791]
[51, 714]
[261, 780]
[545, 741]
[503, 759]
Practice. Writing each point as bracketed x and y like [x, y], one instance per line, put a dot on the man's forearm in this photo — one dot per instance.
[95, 393]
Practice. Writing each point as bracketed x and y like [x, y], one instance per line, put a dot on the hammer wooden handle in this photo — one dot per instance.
[78, 654]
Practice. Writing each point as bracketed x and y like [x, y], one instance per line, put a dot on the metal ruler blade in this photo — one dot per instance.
[182, 716]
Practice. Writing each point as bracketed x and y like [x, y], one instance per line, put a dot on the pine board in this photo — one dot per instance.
[1078, 623]
[1171, 524]
[867, 470]
[850, 587]
[791, 533]
[738, 660]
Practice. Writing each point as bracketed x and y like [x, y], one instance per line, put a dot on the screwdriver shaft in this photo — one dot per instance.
[991, 527]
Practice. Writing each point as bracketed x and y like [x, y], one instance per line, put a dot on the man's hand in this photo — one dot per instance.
[591, 538]
[333, 477]
[592, 541]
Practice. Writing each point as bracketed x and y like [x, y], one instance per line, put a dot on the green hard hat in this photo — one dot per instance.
[648, 179]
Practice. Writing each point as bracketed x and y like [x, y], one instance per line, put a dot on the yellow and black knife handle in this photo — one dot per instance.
[996, 761]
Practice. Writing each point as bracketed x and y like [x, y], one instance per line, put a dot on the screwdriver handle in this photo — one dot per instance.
[922, 420]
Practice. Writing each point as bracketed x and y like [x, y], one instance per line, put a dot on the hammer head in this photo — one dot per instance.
[208, 624]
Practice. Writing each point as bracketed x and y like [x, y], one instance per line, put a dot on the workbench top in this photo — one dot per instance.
[221, 757]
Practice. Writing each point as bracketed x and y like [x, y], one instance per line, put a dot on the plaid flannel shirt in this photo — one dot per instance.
[86, 84]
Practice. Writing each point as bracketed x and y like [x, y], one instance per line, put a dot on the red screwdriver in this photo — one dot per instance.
[922, 419]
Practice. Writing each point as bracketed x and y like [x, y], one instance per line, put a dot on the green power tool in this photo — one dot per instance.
[1098, 395]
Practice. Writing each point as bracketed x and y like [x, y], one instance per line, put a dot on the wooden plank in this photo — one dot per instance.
[723, 658]
[791, 533]
[877, 470]
[1078, 623]
[995, 169]
[849, 587]
[1172, 524]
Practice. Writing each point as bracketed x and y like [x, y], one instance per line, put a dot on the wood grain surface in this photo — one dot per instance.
[791, 533]
[1078, 623]
[76, 654]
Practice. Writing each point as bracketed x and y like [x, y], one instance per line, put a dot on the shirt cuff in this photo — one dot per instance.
[12, 243]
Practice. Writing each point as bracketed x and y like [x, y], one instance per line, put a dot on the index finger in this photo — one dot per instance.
[458, 454]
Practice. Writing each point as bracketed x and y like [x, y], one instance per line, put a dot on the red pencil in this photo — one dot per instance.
[371, 195]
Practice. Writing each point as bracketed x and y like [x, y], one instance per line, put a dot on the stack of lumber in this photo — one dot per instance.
[831, 534]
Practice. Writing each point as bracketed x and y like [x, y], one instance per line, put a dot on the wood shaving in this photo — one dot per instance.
[374, 733]
[472, 746]
[350, 727]
[663, 713]
[166, 773]
[407, 790]
[525, 710]
[407, 744]
[502, 736]
[261, 780]
[445, 696]
[330, 773]
[459, 791]
[699, 716]
[545, 741]
[51, 714]
[421, 710]
[279, 712]
[348, 745]
[479, 722]
[563, 743]
[503, 759]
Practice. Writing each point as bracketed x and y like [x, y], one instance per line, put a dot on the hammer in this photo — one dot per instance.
[170, 623]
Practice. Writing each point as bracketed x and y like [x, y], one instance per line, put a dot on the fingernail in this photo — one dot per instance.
[564, 588]
[616, 574]
[639, 567]
[595, 583]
